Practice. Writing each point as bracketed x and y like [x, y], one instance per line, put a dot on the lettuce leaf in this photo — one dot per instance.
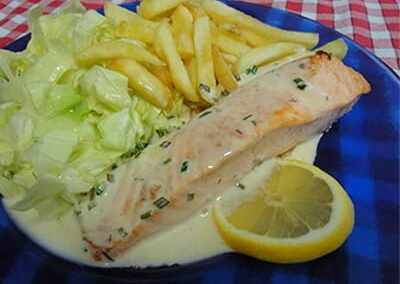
[63, 127]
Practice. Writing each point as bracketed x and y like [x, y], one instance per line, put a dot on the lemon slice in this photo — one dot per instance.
[299, 214]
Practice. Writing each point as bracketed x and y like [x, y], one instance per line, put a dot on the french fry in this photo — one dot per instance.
[129, 24]
[220, 12]
[263, 54]
[193, 7]
[118, 14]
[229, 44]
[152, 8]
[204, 61]
[231, 59]
[254, 39]
[222, 72]
[179, 74]
[246, 77]
[231, 28]
[182, 23]
[115, 49]
[135, 31]
[192, 70]
[143, 82]
[162, 73]
[157, 44]
[337, 48]
[135, 42]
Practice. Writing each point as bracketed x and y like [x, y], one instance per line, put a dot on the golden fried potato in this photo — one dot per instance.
[228, 43]
[254, 39]
[229, 58]
[203, 52]
[263, 54]
[129, 24]
[143, 82]
[182, 24]
[152, 8]
[191, 67]
[222, 13]
[222, 72]
[162, 73]
[179, 74]
[115, 49]
[337, 48]
[135, 31]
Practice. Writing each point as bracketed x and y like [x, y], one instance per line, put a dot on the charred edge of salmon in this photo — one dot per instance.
[289, 115]
[342, 72]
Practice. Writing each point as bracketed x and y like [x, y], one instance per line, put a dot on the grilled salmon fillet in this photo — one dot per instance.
[181, 173]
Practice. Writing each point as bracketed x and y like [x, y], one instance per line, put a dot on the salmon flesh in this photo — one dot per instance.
[185, 170]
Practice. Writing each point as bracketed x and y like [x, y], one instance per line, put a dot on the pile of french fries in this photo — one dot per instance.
[198, 49]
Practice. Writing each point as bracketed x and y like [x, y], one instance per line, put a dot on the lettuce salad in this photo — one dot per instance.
[63, 127]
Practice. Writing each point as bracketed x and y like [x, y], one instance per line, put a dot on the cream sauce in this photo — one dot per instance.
[195, 239]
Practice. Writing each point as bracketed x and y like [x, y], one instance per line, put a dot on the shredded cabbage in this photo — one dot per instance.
[62, 128]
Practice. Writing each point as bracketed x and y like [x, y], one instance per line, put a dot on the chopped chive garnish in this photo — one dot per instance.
[204, 88]
[240, 185]
[135, 152]
[225, 92]
[138, 179]
[165, 144]
[92, 192]
[114, 166]
[252, 70]
[122, 232]
[106, 255]
[77, 212]
[247, 117]
[167, 161]
[161, 132]
[238, 131]
[85, 250]
[146, 215]
[219, 180]
[110, 178]
[190, 196]
[254, 122]
[185, 166]
[205, 113]
[237, 77]
[301, 85]
[161, 202]
[100, 188]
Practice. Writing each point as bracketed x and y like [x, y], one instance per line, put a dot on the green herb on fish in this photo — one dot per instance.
[252, 70]
[123, 233]
[161, 202]
[146, 215]
[300, 83]
[185, 166]
[190, 196]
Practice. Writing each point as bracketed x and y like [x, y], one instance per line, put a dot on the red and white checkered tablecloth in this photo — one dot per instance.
[374, 24]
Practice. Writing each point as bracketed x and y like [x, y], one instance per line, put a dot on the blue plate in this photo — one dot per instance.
[361, 151]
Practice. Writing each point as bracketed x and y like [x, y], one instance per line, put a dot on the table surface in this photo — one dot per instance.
[375, 24]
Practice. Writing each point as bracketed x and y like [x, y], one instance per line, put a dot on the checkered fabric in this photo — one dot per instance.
[374, 24]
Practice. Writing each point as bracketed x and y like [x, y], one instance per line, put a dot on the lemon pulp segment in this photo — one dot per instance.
[299, 214]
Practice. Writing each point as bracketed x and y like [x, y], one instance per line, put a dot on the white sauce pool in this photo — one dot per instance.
[195, 239]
